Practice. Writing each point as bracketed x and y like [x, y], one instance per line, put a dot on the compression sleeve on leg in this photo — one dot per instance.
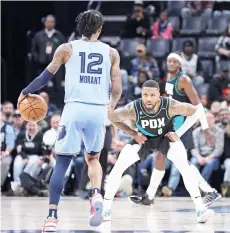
[191, 120]
[38, 82]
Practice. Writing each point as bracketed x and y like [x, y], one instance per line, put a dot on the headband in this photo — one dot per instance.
[176, 56]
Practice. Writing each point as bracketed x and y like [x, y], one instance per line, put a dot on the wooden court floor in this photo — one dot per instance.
[26, 215]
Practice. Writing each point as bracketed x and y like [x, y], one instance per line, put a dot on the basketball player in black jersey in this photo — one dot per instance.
[153, 116]
[179, 87]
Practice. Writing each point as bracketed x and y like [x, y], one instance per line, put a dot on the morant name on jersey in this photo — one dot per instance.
[89, 79]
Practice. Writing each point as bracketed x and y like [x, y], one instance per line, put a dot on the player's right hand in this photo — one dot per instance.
[139, 138]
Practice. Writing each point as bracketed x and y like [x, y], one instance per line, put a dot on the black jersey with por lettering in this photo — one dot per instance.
[153, 125]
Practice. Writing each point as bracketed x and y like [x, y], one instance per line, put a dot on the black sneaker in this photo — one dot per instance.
[211, 197]
[142, 200]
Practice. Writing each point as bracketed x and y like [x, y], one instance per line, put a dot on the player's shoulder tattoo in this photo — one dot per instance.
[61, 56]
[130, 109]
[114, 55]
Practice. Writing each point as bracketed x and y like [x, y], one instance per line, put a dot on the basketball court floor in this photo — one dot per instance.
[26, 215]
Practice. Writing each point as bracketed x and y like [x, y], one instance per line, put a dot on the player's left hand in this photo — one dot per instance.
[172, 136]
[210, 137]
[20, 98]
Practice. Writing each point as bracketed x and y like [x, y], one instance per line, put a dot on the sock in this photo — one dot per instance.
[199, 203]
[52, 213]
[155, 181]
[95, 191]
[107, 204]
[57, 179]
[181, 162]
[202, 183]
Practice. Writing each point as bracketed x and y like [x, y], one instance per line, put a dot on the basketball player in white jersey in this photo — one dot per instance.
[91, 66]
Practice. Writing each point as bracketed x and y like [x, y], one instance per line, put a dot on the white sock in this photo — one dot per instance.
[202, 183]
[155, 181]
[178, 155]
[127, 157]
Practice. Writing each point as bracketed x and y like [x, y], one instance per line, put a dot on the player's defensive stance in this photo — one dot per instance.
[90, 68]
[153, 116]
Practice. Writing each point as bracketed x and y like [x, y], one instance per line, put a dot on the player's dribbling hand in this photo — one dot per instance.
[139, 138]
[210, 137]
[172, 136]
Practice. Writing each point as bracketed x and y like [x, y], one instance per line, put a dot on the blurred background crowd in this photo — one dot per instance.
[144, 33]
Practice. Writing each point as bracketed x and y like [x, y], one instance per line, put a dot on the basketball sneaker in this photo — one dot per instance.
[142, 200]
[50, 224]
[204, 215]
[96, 210]
[211, 197]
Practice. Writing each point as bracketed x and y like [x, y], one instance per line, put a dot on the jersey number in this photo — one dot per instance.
[160, 131]
[98, 59]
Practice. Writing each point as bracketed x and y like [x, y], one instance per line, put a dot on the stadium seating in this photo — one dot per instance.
[192, 26]
[175, 21]
[208, 71]
[216, 26]
[159, 48]
[128, 46]
[206, 47]
[174, 7]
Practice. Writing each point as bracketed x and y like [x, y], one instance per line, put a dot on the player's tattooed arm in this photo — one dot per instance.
[120, 115]
[178, 108]
[61, 56]
[116, 89]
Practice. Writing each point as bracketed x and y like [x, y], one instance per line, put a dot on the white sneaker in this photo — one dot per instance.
[50, 225]
[107, 215]
[204, 215]
[96, 211]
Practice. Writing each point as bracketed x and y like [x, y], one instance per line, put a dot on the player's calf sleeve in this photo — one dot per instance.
[127, 157]
[57, 179]
[202, 183]
[155, 181]
[178, 155]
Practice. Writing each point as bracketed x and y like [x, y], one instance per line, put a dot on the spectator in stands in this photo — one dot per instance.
[223, 45]
[215, 109]
[134, 91]
[162, 28]
[191, 65]
[205, 155]
[7, 146]
[221, 8]
[8, 109]
[144, 61]
[218, 84]
[18, 123]
[29, 148]
[224, 115]
[44, 45]
[225, 187]
[138, 24]
[197, 8]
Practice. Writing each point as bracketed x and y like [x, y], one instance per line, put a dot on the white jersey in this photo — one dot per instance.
[87, 77]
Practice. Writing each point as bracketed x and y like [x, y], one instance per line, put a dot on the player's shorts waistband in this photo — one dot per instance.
[68, 102]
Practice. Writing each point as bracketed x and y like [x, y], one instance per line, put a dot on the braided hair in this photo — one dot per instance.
[88, 22]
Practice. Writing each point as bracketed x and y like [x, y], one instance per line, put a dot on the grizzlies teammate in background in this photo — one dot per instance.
[92, 68]
[179, 87]
[153, 116]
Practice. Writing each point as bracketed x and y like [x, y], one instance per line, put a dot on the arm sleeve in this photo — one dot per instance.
[38, 82]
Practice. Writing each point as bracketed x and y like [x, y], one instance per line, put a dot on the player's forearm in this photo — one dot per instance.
[124, 127]
[115, 95]
[202, 117]
[38, 82]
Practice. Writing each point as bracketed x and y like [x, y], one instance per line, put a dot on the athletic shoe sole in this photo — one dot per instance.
[210, 203]
[96, 219]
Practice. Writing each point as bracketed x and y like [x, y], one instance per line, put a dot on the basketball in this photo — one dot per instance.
[33, 108]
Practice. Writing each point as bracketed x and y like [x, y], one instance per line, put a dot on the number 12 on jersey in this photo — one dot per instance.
[95, 59]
